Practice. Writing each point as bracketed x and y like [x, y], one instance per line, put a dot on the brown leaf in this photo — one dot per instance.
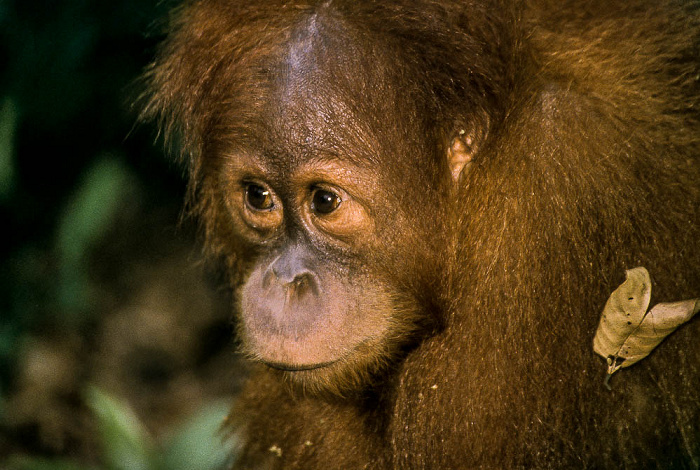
[627, 333]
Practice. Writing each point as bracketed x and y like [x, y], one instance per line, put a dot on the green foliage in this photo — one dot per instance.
[127, 445]
[8, 127]
[43, 464]
[64, 89]
[73, 167]
[90, 212]
[198, 443]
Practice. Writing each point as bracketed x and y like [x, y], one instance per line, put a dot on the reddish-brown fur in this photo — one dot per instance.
[586, 163]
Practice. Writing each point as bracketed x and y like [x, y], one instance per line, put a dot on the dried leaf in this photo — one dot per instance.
[627, 333]
[623, 312]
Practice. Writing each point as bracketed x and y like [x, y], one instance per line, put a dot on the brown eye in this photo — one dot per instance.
[258, 197]
[324, 202]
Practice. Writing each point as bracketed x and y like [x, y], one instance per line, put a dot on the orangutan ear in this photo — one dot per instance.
[463, 148]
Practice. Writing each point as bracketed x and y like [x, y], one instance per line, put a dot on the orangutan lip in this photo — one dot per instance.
[319, 365]
[297, 367]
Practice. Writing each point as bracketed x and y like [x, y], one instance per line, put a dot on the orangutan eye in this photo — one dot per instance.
[258, 197]
[324, 202]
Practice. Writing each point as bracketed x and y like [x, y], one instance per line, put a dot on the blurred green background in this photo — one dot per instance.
[115, 341]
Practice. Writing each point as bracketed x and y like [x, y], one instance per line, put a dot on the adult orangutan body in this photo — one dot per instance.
[423, 207]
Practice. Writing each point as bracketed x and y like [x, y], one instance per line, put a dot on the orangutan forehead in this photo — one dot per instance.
[327, 83]
[323, 91]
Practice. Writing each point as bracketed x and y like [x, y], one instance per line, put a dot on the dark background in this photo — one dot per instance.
[112, 330]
